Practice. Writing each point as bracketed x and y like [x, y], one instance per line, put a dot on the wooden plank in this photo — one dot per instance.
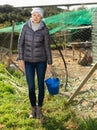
[82, 83]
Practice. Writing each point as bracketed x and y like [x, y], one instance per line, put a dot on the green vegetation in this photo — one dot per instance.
[57, 20]
[15, 108]
[9, 13]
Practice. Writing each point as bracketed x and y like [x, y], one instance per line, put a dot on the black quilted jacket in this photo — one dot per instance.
[34, 46]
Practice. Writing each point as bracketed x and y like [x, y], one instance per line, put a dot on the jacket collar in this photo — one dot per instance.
[29, 23]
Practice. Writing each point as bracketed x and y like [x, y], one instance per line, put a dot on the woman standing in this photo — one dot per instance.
[34, 53]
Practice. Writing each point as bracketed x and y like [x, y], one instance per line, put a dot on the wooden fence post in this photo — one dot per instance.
[11, 40]
[82, 83]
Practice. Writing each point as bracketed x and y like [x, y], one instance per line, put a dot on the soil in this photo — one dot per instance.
[86, 98]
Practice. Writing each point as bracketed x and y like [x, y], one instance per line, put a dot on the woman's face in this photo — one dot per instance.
[36, 17]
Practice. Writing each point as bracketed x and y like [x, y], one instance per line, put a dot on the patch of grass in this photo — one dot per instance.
[6, 88]
[15, 108]
[88, 124]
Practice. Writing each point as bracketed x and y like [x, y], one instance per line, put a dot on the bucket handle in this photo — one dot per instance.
[53, 72]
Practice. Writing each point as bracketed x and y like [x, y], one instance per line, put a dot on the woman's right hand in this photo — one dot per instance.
[21, 65]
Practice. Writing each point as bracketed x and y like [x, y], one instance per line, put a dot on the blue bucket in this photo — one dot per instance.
[53, 85]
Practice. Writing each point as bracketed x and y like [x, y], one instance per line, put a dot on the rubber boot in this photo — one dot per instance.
[39, 113]
[33, 113]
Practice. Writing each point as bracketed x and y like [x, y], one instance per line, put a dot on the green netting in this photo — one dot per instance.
[17, 28]
[68, 20]
[62, 21]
